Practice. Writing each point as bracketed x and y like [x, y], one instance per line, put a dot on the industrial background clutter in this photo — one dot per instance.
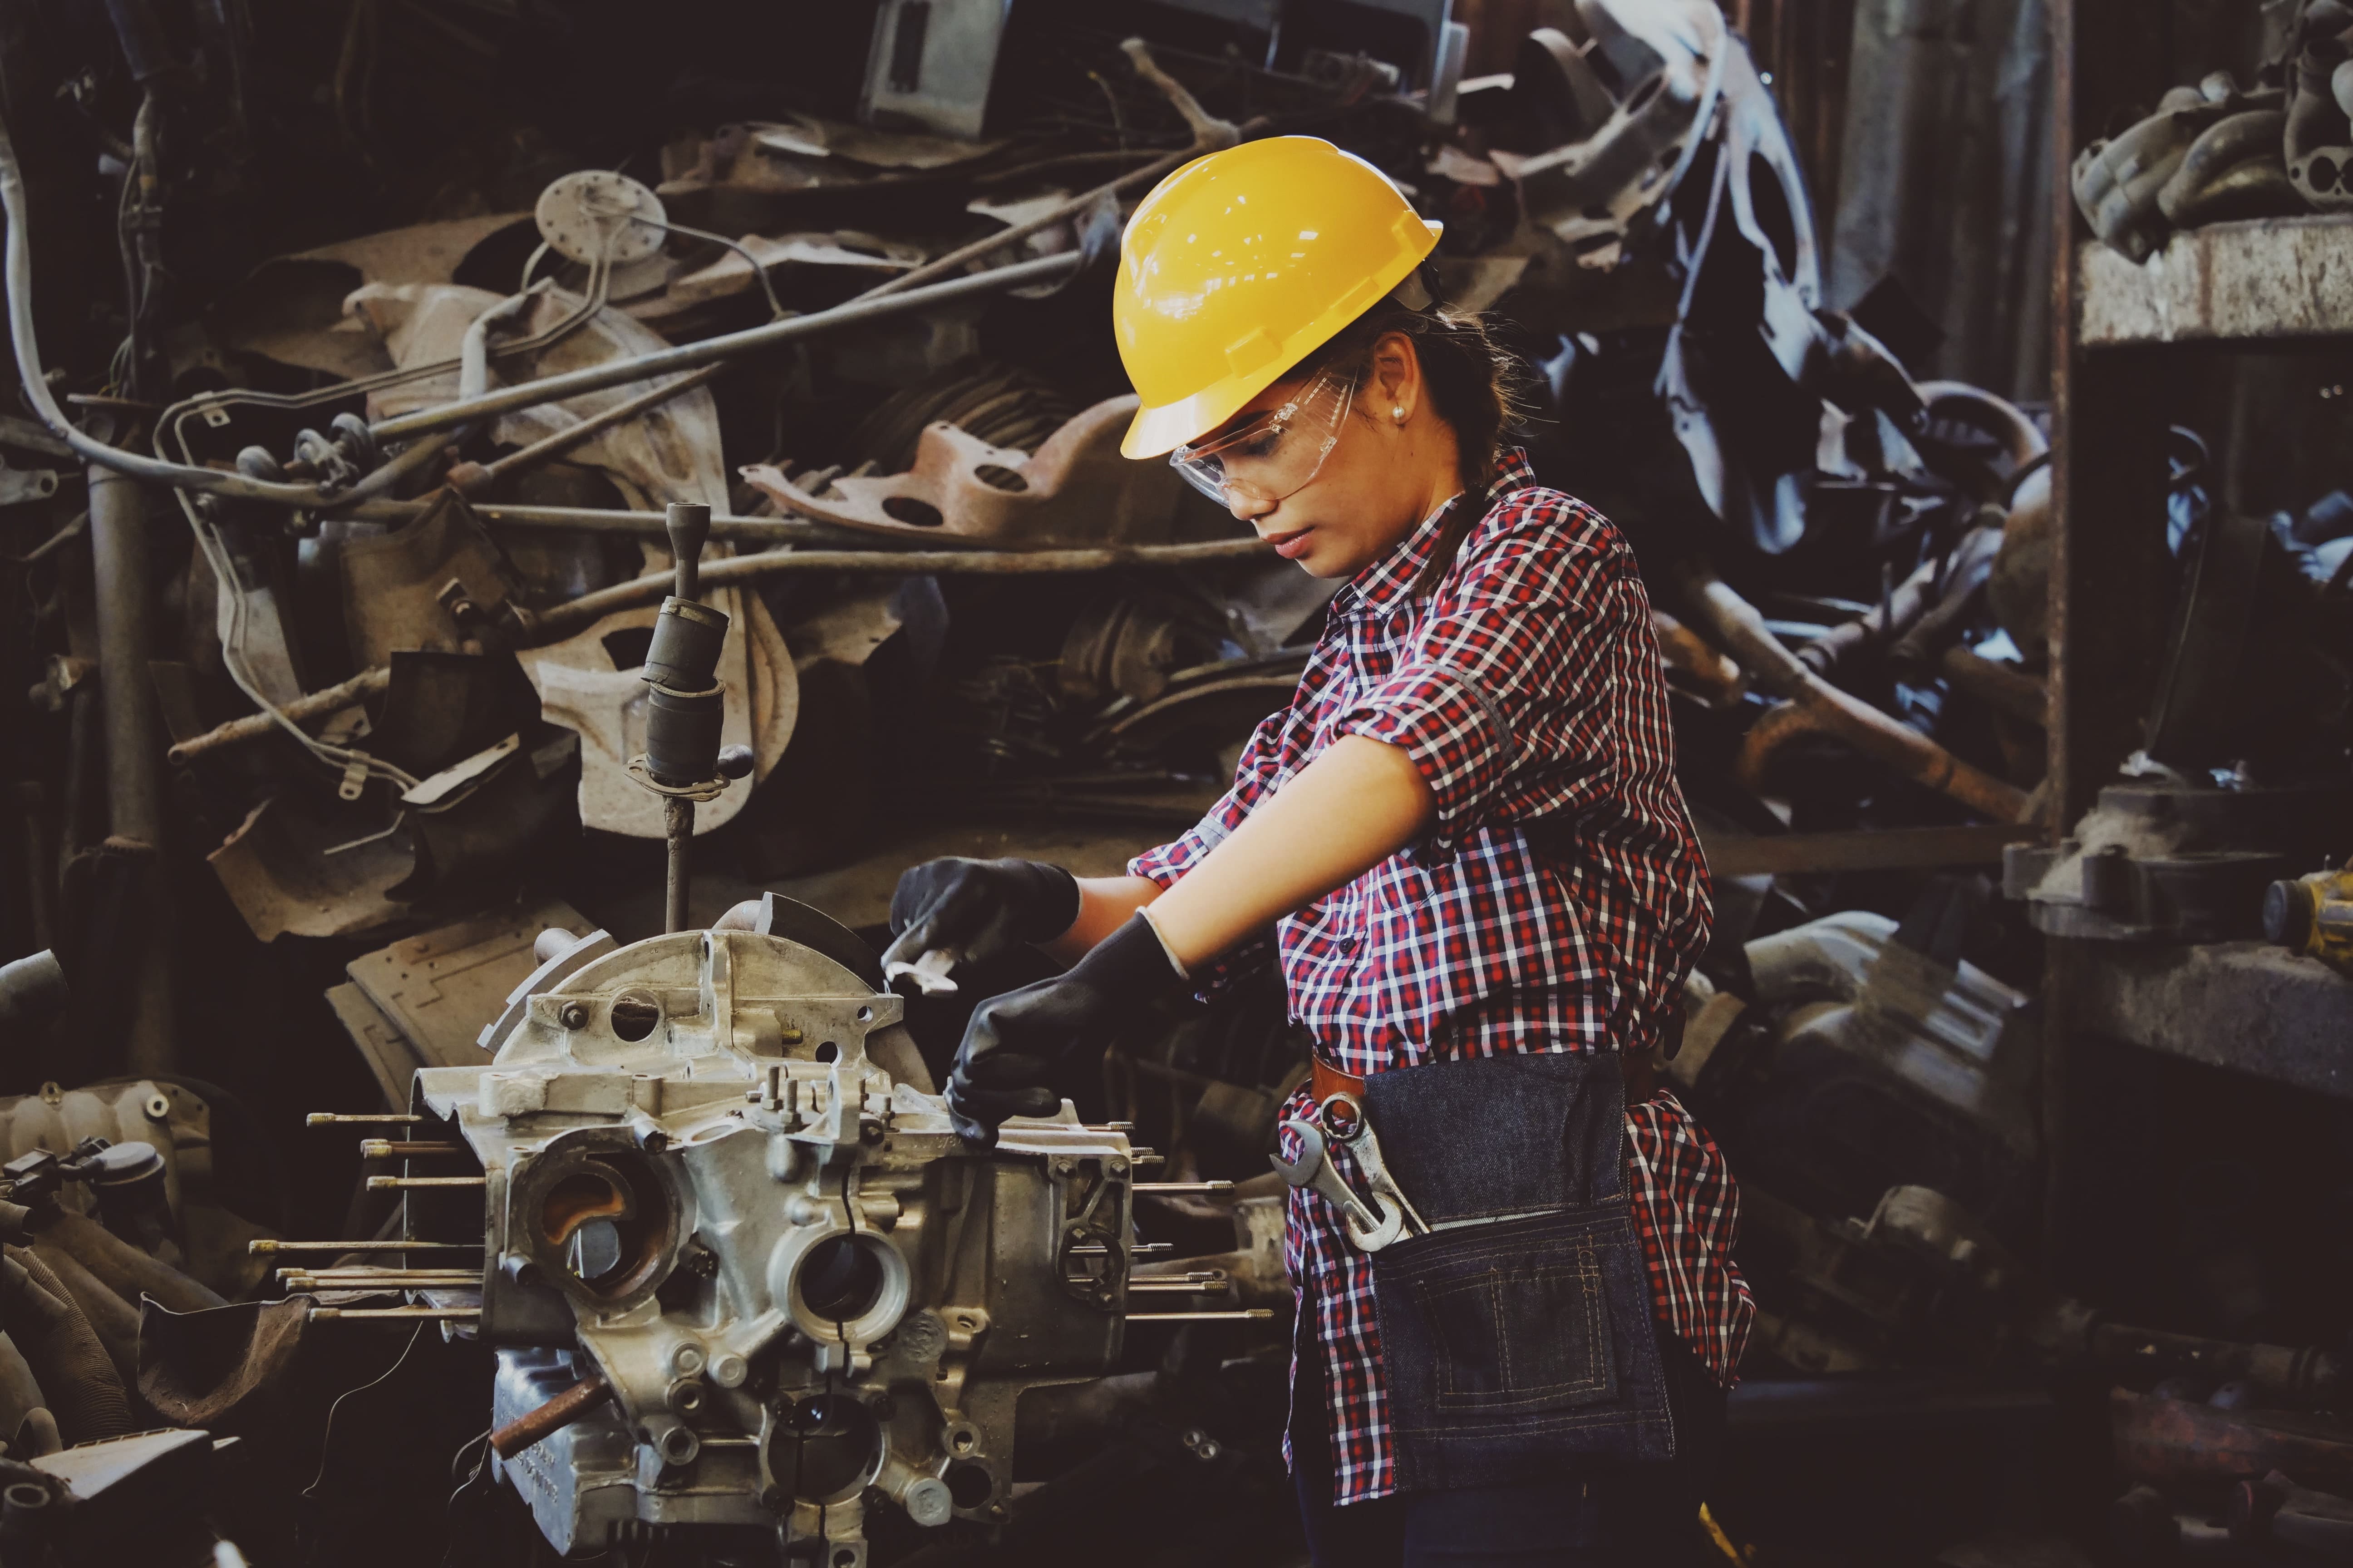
[491, 488]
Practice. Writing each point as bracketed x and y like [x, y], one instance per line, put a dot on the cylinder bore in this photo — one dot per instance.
[600, 1223]
[825, 1448]
[840, 1280]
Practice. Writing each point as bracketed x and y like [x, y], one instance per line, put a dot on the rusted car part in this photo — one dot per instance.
[1856, 1010]
[2210, 153]
[2174, 860]
[2233, 172]
[565, 620]
[416, 588]
[1000, 405]
[2318, 137]
[2189, 1442]
[2118, 181]
[1810, 705]
[1923, 1281]
[729, 346]
[2017, 589]
[1617, 109]
[1076, 488]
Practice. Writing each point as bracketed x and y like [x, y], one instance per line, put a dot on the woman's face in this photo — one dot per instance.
[1393, 462]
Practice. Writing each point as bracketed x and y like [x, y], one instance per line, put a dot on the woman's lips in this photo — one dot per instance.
[1290, 546]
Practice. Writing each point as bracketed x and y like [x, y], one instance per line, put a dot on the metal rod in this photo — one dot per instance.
[472, 479]
[263, 1248]
[563, 620]
[677, 835]
[391, 1148]
[615, 520]
[728, 345]
[253, 726]
[410, 1314]
[1182, 1187]
[1180, 1287]
[1137, 1248]
[555, 1415]
[296, 1279]
[397, 1183]
[377, 1271]
[337, 1118]
[1253, 1314]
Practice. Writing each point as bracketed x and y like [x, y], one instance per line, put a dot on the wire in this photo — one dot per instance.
[326, 1438]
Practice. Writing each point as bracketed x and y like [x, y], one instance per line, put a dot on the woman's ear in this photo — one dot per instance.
[1394, 388]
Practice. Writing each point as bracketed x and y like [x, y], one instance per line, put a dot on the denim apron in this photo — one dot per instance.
[1516, 1335]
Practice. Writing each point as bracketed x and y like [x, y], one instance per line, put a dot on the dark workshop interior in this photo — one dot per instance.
[522, 520]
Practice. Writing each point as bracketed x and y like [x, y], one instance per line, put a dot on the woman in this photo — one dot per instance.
[1466, 836]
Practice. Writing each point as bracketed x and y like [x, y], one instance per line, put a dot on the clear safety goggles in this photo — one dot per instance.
[1273, 455]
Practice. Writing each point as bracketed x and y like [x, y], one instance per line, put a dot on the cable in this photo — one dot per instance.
[326, 1438]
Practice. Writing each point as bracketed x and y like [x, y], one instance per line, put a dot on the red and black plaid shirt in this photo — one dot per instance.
[1527, 687]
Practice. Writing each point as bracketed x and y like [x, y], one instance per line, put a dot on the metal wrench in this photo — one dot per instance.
[1365, 1148]
[1369, 1231]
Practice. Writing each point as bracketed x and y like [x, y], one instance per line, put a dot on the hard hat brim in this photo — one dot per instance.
[1156, 431]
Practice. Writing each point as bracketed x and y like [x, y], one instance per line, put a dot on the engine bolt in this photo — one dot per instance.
[575, 1015]
[687, 1359]
[1065, 1167]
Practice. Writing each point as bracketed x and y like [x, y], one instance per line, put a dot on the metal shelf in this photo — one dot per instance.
[2265, 281]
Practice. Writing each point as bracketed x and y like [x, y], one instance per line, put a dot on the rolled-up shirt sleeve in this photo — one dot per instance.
[1490, 652]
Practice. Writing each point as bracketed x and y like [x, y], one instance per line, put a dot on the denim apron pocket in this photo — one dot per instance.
[1516, 1336]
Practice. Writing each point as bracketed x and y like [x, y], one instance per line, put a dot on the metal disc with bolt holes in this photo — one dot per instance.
[578, 216]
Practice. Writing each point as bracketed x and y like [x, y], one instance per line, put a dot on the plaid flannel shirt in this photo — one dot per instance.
[1527, 687]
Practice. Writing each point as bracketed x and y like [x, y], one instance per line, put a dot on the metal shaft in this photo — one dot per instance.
[558, 1412]
[678, 834]
[728, 345]
[263, 1248]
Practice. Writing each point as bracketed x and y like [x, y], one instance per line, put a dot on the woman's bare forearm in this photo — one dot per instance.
[1105, 905]
[1359, 803]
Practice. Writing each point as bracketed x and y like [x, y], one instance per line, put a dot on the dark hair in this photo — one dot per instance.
[1476, 384]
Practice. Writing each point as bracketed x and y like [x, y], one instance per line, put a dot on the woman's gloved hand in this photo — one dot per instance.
[975, 910]
[1019, 1046]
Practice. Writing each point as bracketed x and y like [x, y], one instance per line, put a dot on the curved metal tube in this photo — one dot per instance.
[18, 265]
[2004, 418]
[1811, 705]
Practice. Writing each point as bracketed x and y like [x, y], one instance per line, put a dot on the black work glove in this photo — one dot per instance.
[978, 910]
[1019, 1046]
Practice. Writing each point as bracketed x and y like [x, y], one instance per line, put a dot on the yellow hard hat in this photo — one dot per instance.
[1238, 265]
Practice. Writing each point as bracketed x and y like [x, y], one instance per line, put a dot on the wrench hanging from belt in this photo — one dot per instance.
[1371, 1225]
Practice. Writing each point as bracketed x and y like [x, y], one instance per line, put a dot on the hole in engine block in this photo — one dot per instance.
[839, 1281]
[826, 1446]
[969, 1484]
[634, 1015]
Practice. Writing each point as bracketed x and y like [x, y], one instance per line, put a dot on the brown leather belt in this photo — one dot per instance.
[1325, 1081]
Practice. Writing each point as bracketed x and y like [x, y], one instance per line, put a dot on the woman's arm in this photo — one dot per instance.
[1354, 806]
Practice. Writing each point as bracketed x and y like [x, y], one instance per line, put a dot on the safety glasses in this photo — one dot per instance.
[1273, 455]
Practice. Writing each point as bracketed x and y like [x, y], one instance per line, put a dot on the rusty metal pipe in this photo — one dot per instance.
[553, 1416]
[253, 726]
[1811, 705]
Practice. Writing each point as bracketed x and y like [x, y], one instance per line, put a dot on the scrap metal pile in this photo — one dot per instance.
[341, 557]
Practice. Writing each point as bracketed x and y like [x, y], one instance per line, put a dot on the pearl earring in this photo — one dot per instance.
[1397, 414]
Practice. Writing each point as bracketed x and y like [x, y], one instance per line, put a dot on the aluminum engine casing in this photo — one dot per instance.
[808, 1294]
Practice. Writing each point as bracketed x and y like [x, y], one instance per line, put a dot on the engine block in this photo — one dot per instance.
[809, 1299]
